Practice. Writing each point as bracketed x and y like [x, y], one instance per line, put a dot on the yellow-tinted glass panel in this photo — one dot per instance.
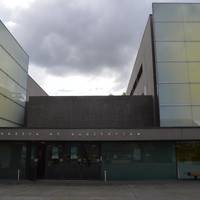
[11, 90]
[11, 111]
[172, 72]
[191, 12]
[195, 93]
[170, 51]
[192, 31]
[174, 94]
[8, 65]
[193, 51]
[194, 72]
[175, 116]
[169, 31]
[167, 12]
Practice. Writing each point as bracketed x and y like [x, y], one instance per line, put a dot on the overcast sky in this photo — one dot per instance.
[78, 47]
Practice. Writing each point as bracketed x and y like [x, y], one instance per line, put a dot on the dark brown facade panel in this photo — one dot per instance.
[102, 112]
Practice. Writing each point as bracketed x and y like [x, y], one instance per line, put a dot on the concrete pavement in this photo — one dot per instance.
[140, 190]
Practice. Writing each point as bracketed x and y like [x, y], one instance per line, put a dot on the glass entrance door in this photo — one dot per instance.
[37, 160]
[85, 161]
[77, 160]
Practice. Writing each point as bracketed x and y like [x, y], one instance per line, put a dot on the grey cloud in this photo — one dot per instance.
[68, 37]
[83, 36]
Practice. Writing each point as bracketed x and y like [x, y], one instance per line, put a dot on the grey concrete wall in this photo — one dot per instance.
[33, 89]
[90, 112]
[144, 58]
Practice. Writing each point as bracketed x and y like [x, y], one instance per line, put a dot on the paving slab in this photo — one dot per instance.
[70, 190]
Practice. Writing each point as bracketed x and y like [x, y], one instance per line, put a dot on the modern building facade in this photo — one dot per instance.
[167, 67]
[13, 80]
[171, 63]
[152, 133]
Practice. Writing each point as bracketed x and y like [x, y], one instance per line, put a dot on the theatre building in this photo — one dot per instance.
[151, 133]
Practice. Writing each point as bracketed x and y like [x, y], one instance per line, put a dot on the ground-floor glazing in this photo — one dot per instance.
[90, 160]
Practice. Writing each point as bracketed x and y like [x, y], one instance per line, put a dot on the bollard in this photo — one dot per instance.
[18, 175]
[105, 176]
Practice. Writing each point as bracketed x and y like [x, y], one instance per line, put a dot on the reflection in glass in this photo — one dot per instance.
[191, 31]
[170, 72]
[191, 12]
[174, 94]
[5, 123]
[177, 48]
[167, 12]
[193, 51]
[11, 110]
[188, 159]
[194, 72]
[74, 152]
[12, 158]
[196, 115]
[55, 152]
[11, 90]
[10, 44]
[9, 66]
[195, 94]
[175, 116]
[170, 51]
[169, 31]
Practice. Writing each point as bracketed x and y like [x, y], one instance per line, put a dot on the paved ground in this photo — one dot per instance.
[171, 190]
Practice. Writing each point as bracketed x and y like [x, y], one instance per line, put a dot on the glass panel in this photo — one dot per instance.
[169, 31]
[192, 31]
[9, 66]
[191, 12]
[10, 89]
[5, 156]
[137, 153]
[193, 51]
[55, 154]
[170, 51]
[167, 12]
[174, 94]
[90, 153]
[194, 72]
[175, 116]
[11, 45]
[12, 158]
[74, 153]
[172, 72]
[152, 152]
[195, 93]
[188, 159]
[4, 123]
[57, 162]
[196, 115]
[122, 153]
[11, 111]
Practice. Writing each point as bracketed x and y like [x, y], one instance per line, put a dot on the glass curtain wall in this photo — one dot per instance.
[177, 49]
[139, 160]
[188, 159]
[13, 80]
[12, 159]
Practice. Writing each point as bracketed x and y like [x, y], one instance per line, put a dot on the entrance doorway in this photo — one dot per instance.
[73, 160]
[37, 160]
